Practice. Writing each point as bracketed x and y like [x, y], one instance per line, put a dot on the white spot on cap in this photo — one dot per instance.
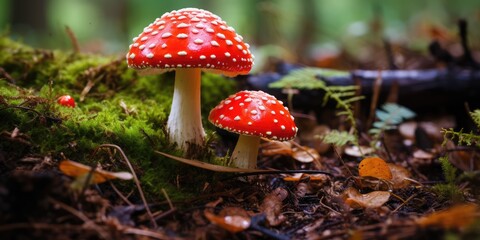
[234, 59]
[269, 133]
[227, 54]
[261, 108]
[209, 30]
[182, 25]
[143, 38]
[199, 25]
[132, 56]
[141, 47]
[166, 35]
[221, 35]
[195, 30]
[249, 123]
[182, 35]
[182, 53]
[275, 120]
[202, 57]
[168, 55]
[229, 42]
[213, 56]
[151, 45]
[237, 118]
[198, 41]
[195, 19]
[230, 108]
[164, 45]
[273, 112]
[221, 116]
[237, 98]
[282, 112]
[228, 101]
[150, 55]
[239, 47]
[215, 43]
[282, 127]
[254, 112]
[237, 39]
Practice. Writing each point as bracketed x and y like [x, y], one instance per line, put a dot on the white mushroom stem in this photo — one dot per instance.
[246, 151]
[185, 120]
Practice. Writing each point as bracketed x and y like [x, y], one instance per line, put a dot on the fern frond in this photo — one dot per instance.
[388, 117]
[308, 78]
[460, 137]
[475, 115]
[338, 138]
[449, 171]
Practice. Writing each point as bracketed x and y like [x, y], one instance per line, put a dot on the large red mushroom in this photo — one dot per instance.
[188, 41]
[253, 114]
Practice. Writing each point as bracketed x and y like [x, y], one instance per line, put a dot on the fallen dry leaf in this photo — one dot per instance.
[456, 217]
[305, 154]
[299, 176]
[232, 219]
[272, 206]
[272, 148]
[355, 151]
[374, 167]
[75, 169]
[374, 199]
[400, 176]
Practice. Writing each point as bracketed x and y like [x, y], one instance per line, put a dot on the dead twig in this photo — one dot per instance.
[79, 215]
[125, 199]
[73, 39]
[135, 178]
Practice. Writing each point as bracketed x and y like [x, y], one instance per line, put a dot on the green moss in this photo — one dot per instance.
[120, 107]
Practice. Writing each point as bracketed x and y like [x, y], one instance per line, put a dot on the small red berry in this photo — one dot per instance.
[66, 100]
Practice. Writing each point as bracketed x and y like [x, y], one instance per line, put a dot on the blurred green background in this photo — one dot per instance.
[292, 29]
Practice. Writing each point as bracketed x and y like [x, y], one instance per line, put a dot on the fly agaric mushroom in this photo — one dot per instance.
[253, 114]
[188, 41]
[66, 100]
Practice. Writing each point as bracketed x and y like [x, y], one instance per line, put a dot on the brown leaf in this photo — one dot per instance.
[305, 155]
[232, 219]
[374, 199]
[457, 217]
[299, 176]
[400, 176]
[271, 148]
[374, 167]
[355, 151]
[272, 206]
[75, 169]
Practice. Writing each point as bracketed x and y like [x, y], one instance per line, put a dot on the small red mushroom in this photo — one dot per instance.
[66, 100]
[188, 41]
[253, 114]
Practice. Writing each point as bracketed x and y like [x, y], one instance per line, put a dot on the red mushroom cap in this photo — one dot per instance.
[254, 113]
[190, 38]
[66, 100]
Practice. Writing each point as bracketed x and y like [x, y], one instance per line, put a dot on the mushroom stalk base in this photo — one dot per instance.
[246, 151]
[185, 121]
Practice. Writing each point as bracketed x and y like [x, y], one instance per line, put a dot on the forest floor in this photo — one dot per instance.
[425, 185]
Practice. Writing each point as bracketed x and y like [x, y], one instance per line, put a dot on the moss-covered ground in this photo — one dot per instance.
[114, 106]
